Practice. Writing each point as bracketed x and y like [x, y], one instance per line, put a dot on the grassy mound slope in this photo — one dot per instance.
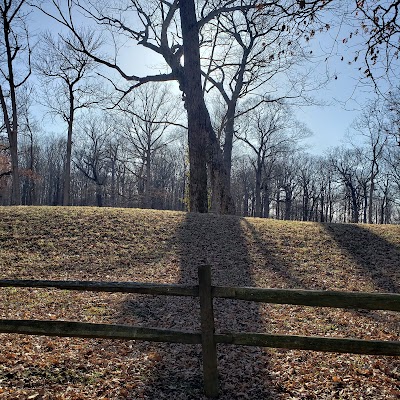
[166, 247]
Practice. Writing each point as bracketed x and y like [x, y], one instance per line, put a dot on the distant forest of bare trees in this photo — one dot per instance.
[137, 143]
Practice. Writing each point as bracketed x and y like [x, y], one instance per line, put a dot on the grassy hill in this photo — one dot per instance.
[166, 247]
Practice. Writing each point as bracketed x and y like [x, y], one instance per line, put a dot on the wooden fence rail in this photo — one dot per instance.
[207, 337]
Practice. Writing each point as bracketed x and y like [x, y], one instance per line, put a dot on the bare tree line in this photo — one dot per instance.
[122, 162]
[231, 145]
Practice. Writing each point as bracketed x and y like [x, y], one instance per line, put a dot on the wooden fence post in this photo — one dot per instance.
[209, 349]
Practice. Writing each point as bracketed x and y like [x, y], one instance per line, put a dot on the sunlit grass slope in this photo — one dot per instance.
[162, 246]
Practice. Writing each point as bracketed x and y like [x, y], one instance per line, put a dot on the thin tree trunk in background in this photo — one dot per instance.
[371, 205]
[67, 170]
[12, 133]
[257, 194]
[113, 183]
[228, 143]
[288, 203]
[11, 125]
[267, 201]
[99, 195]
[365, 207]
[32, 185]
[16, 190]
[147, 182]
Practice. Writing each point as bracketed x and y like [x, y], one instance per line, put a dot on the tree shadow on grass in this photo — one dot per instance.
[377, 259]
[219, 242]
[280, 270]
[240, 251]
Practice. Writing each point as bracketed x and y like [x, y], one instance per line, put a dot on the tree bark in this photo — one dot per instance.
[228, 143]
[222, 201]
[196, 109]
[204, 147]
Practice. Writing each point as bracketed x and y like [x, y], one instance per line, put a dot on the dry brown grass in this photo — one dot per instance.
[161, 246]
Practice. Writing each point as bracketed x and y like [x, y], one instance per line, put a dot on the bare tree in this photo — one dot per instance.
[67, 72]
[15, 69]
[392, 158]
[371, 126]
[253, 52]
[29, 157]
[243, 184]
[92, 157]
[379, 25]
[171, 30]
[326, 191]
[392, 127]
[53, 161]
[168, 178]
[268, 131]
[307, 180]
[348, 166]
[149, 116]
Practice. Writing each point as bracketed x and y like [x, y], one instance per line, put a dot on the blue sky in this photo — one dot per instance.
[343, 97]
[332, 122]
[345, 94]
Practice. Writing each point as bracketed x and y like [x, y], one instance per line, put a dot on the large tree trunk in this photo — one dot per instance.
[204, 148]
[196, 109]
[221, 200]
[198, 199]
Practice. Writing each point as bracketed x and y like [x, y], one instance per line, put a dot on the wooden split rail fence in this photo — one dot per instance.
[207, 337]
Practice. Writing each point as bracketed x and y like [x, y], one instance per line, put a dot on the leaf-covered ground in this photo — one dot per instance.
[166, 247]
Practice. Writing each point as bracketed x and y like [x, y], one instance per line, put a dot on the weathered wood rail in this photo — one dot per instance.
[207, 337]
